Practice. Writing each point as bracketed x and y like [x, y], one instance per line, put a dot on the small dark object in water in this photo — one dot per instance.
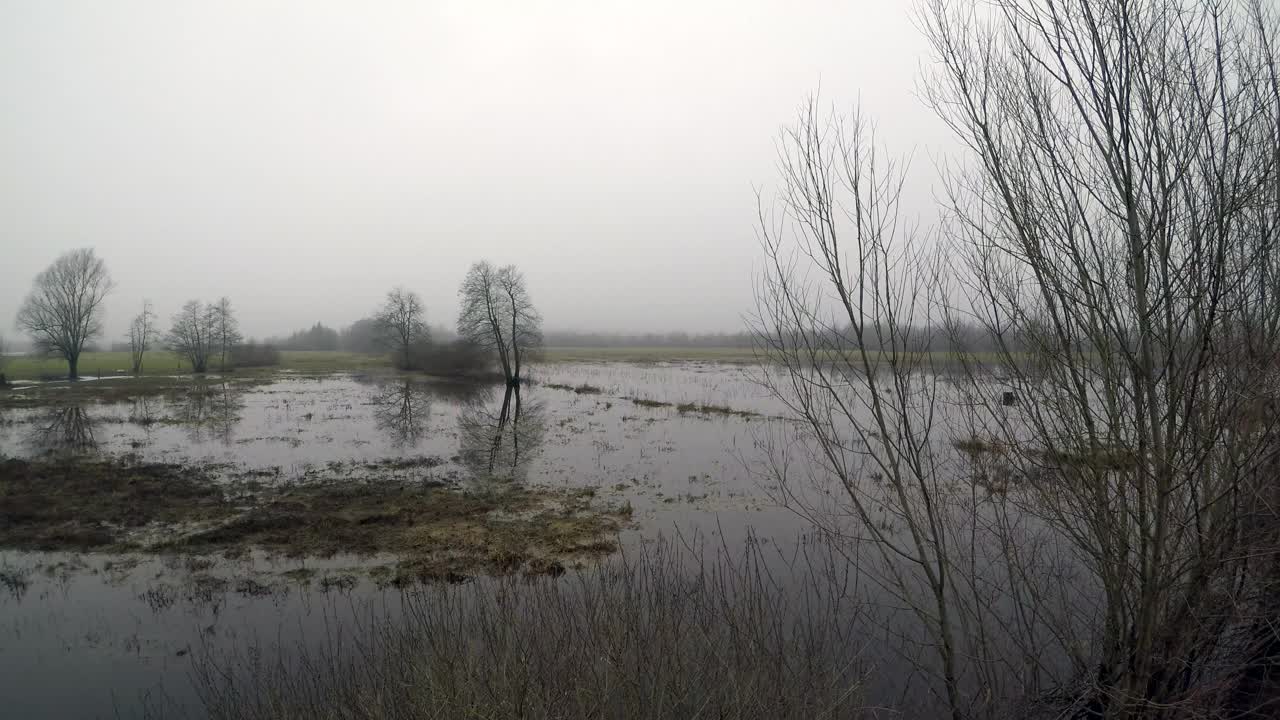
[1008, 398]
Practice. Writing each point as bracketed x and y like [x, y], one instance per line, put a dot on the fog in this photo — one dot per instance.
[303, 157]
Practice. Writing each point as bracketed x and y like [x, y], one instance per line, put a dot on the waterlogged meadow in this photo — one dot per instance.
[151, 525]
[278, 545]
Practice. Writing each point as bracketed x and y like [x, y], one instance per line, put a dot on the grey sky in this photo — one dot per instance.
[302, 157]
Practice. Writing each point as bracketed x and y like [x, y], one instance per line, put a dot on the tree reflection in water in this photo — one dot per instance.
[66, 429]
[402, 411]
[209, 411]
[499, 440]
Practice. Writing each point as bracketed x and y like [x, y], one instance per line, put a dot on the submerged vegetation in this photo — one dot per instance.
[674, 630]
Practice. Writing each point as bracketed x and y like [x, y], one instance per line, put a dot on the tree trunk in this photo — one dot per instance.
[73, 364]
[515, 344]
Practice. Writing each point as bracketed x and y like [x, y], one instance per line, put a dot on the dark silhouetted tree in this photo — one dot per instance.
[401, 324]
[195, 334]
[497, 314]
[63, 311]
[226, 329]
[142, 332]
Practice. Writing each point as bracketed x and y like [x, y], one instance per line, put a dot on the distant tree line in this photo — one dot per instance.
[316, 337]
[498, 325]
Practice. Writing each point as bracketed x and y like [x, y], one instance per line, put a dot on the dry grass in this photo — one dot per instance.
[667, 633]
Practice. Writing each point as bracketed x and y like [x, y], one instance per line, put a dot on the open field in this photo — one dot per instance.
[157, 520]
[163, 362]
[95, 364]
[650, 354]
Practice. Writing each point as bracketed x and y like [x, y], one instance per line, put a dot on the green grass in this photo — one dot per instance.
[162, 362]
[91, 364]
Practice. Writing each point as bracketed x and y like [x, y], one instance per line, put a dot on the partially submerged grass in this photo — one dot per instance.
[644, 402]
[96, 504]
[709, 409]
[997, 465]
[668, 632]
[15, 581]
[439, 532]
[583, 389]
[1101, 458]
[420, 530]
[975, 446]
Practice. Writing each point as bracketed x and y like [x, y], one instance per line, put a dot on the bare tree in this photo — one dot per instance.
[63, 311]
[480, 317]
[497, 314]
[226, 329]
[1083, 521]
[1121, 226]
[523, 321]
[868, 406]
[3, 360]
[142, 333]
[401, 325]
[195, 333]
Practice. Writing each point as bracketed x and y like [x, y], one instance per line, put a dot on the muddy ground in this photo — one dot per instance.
[434, 530]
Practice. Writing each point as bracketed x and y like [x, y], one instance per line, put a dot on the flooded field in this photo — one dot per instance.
[146, 523]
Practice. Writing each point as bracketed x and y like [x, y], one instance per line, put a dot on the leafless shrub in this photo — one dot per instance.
[456, 359]
[142, 333]
[254, 354]
[194, 334]
[1115, 239]
[226, 328]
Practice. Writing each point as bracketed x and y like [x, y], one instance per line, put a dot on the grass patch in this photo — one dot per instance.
[93, 364]
[976, 446]
[706, 409]
[583, 389]
[163, 362]
[1106, 458]
[432, 530]
[95, 504]
[642, 402]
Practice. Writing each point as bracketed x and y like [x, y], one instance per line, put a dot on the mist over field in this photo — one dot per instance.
[301, 158]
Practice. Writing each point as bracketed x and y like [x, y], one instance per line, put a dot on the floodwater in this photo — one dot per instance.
[96, 635]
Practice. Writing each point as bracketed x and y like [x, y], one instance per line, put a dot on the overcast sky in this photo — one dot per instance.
[303, 157]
